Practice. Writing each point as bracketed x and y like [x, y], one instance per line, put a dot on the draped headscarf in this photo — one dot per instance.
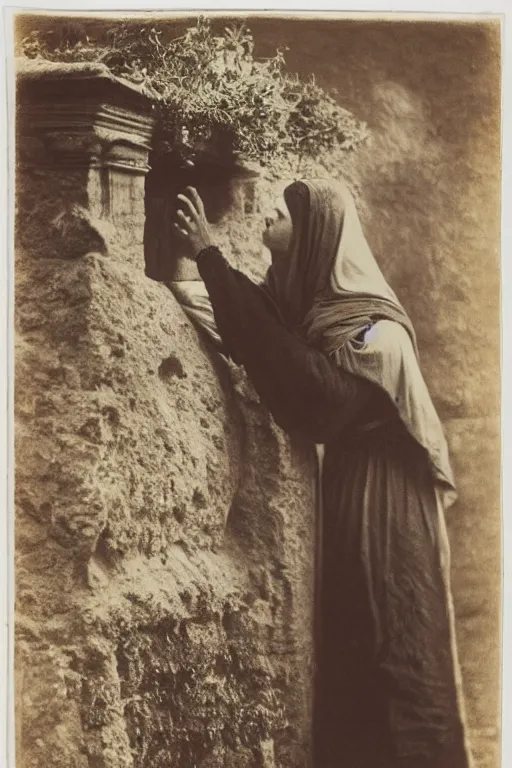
[331, 291]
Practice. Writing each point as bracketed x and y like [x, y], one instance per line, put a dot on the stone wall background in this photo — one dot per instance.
[129, 583]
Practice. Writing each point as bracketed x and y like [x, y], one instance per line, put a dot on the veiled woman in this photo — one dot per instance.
[332, 354]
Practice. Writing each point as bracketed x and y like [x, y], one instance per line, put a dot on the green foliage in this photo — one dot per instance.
[210, 90]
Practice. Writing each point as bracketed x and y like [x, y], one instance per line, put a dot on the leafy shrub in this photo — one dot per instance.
[210, 91]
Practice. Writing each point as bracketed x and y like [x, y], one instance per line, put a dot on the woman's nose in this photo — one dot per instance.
[268, 221]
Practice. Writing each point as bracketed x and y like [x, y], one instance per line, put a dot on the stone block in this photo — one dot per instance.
[83, 138]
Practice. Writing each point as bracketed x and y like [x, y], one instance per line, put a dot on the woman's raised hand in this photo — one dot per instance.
[193, 227]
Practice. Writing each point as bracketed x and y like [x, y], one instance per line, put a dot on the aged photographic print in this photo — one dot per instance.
[257, 390]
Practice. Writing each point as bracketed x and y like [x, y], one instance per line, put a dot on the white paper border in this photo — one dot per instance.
[447, 9]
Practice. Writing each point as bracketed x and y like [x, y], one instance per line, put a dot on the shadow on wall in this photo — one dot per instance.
[219, 181]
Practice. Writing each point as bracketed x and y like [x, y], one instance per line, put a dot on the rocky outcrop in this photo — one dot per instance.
[165, 525]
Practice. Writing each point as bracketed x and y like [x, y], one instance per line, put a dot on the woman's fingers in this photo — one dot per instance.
[192, 225]
[186, 219]
[197, 200]
[190, 205]
[182, 232]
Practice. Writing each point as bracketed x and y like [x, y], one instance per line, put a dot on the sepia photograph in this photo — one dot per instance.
[257, 515]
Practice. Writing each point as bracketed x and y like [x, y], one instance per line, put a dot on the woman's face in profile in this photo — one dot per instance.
[277, 234]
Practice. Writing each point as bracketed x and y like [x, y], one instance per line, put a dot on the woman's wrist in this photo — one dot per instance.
[208, 250]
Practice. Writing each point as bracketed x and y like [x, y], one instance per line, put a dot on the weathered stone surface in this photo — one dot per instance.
[164, 534]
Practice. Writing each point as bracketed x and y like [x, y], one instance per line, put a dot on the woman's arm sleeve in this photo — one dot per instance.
[303, 389]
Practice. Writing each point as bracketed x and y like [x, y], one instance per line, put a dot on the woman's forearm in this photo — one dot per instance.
[302, 388]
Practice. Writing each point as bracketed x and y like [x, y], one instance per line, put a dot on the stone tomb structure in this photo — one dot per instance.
[164, 525]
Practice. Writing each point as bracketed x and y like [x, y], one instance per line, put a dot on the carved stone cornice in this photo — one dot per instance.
[76, 115]
[83, 140]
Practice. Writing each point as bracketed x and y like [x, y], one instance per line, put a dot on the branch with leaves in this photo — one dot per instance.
[209, 90]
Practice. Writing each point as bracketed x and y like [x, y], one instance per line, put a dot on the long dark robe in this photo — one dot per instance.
[386, 694]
